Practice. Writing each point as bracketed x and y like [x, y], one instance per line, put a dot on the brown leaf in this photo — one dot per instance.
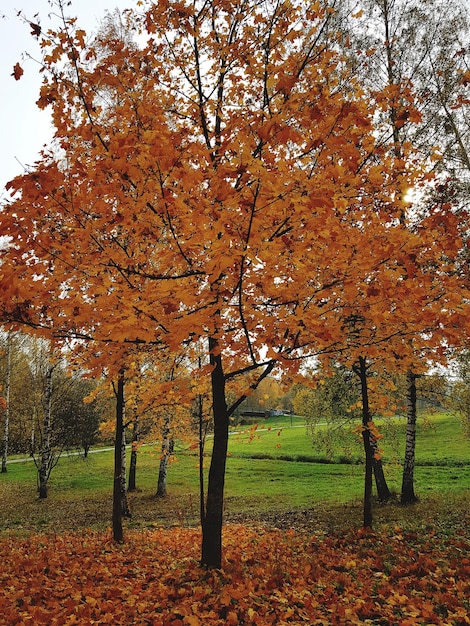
[35, 29]
[17, 72]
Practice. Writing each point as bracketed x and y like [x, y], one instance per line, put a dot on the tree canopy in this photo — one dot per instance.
[218, 175]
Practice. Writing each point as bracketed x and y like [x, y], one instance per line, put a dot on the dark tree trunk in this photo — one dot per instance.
[167, 451]
[383, 492]
[211, 556]
[407, 488]
[131, 485]
[117, 507]
[368, 444]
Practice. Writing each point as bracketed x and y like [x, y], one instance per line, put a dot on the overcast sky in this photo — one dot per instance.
[23, 127]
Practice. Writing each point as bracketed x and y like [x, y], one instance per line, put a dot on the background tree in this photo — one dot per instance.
[268, 396]
[6, 401]
[413, 44]
[330, 407]
[79, 414]
[459, 393]
[16, 375]
[47, 371]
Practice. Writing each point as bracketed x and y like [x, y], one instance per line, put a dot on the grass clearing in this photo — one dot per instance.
[439, 441]
[269, 472]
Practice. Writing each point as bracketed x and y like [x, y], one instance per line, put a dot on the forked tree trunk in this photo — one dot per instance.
[167, 451]
[211, 555]
[407, 488]
[368, 445]
[46, 452]
[117, 507]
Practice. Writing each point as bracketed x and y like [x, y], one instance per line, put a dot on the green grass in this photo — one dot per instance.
[439, 441]
[268, 472]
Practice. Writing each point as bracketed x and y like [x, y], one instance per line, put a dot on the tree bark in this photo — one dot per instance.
[407, 488]
[368, 446]
[167, 450]
[117, 508]
[211, 556]
[6, 421]
[46, 452]
[126, 512]
[383, 492]
[131, 485]
[201, 459]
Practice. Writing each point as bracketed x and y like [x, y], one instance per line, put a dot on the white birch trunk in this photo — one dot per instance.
[46, 452]
[167, 450]
[6, 421]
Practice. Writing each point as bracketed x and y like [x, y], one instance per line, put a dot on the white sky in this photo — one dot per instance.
[24, 129]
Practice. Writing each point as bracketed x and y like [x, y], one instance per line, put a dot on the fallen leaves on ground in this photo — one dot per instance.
[269, 577]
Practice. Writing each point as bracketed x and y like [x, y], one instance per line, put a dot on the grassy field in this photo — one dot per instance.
[274, 470]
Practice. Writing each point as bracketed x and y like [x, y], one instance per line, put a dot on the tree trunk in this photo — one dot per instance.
[407, 488]
[6, 421]
[368, 445]
[383, 492]
[201, 459]
[211, 556]
[46, 452]
[167, 451]
[124, 503]
[131, 485]
[117, 507]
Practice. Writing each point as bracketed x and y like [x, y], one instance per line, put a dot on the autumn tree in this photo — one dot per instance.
[396, 47]
[383, 327]
[217, 183]
[423, 47]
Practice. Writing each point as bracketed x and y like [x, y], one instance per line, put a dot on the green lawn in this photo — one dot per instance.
[276, 468]
[439, 440]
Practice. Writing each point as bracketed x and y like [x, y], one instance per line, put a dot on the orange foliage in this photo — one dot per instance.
[231, 197]
[223, 184]
[270, 577]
